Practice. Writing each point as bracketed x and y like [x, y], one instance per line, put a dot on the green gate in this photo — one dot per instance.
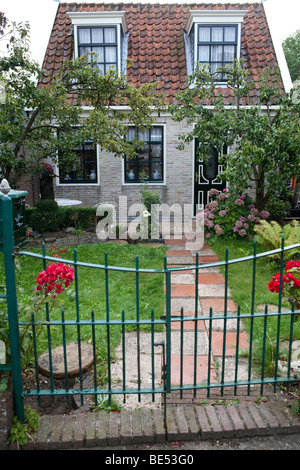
[160, 383]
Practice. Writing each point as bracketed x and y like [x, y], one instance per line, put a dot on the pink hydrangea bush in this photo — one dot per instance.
[229, 215]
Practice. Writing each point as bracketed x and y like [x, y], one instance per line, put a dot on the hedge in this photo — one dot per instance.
[46, 218]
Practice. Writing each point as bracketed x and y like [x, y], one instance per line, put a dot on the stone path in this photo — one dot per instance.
[211, 293]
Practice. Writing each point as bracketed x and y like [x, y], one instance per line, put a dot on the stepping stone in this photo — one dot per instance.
[186, 260]
[188, 305]
[72, 359]
[202, 252]
[188, 369]
[218, 325]
[174, 241]
[188, 325]
[217, 340]
[206, 259]
[189, 342]
[181, 271]
[217, 305]
[182, 278]
[183, 290]
[178, 252]
[212, 290]
[210, 278]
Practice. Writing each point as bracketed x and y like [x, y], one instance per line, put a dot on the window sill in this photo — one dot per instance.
[77, 184]
[148, 184]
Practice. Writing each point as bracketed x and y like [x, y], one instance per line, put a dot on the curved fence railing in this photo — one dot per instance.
[154, 337]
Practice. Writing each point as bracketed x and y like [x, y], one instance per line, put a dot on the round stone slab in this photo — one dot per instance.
[58, 362]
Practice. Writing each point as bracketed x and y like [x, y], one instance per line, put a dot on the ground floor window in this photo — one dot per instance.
[148, 164]
[84, 167]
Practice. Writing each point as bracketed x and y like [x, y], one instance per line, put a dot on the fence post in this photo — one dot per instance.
[12, 305]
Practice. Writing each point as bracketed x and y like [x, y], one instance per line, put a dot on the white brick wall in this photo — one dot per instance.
[177, 187]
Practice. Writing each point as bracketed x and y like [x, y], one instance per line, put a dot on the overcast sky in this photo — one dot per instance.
[283, 17]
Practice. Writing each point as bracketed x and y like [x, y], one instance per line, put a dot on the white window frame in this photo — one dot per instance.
[214, 17]
[150, 183]
[96, 183]
[100, 18]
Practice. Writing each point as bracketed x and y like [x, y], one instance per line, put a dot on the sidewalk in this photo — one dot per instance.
[87, 430]
[186, 419]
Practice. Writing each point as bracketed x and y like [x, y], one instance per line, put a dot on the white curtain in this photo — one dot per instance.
[204, 34]
[156, 134]
[97, 35]
[217, 34]
[84, 36]
[203, 53]
[229, 34]
[111, 54]
[109, 35]
[228, 53]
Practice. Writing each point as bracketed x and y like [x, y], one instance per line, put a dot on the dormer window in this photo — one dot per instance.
[105, 34]
[213, 37]
[217, 46]
[102, 40]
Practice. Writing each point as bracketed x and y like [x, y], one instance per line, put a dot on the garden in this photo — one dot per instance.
[232, 221]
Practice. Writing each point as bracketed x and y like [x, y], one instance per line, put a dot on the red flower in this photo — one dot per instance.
[55, 277]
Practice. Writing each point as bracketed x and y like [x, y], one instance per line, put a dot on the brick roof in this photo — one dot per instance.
[156, 41]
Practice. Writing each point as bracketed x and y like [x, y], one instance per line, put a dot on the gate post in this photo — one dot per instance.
[12, 305]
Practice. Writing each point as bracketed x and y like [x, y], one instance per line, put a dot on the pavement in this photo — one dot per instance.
[189, 417]
[86, 430]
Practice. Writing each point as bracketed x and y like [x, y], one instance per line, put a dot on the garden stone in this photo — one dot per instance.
[72, 359]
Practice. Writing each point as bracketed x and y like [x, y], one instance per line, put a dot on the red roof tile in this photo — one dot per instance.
[156, 42]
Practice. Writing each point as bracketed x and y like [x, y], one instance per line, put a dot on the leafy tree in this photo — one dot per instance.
[291, 48]
[265, 144]
[36, 121]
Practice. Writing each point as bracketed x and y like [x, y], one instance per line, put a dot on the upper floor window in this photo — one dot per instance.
[213, 37]
[217, 46]
[102, 40]
[104, 33]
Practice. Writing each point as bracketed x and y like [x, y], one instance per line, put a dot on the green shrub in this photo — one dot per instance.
[47, 221]
[270, 235]
[46, 205]
[277, 209]
[48, 217]
[80, 217]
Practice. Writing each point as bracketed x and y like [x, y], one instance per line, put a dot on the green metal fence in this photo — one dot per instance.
[160, 384]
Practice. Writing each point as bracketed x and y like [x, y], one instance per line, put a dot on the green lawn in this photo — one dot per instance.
[240, 277]
[92, 292]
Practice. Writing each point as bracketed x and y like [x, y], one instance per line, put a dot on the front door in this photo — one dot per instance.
[206, 178]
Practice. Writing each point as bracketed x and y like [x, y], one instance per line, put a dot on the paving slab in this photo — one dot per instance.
[212, 291]
[188, 305]
[218, 339]
[188, 341]
[188, 369]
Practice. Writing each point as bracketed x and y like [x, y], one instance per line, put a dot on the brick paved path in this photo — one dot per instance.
[211, 293]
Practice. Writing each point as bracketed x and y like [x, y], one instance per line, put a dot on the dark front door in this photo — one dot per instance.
[206, 178]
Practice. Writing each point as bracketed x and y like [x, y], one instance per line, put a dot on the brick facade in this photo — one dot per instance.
[177, 187]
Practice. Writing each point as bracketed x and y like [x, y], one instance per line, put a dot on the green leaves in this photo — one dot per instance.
[263, 139]
[32, 116]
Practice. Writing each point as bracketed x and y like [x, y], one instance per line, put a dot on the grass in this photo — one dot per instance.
[240, 278]
[92, 293]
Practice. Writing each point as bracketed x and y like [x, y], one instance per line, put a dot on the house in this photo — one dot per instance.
[163, 41]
